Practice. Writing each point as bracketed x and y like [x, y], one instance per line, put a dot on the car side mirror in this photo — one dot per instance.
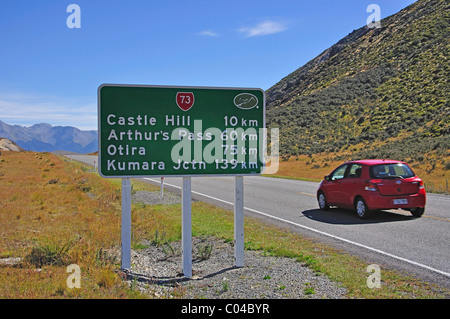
[327, 178]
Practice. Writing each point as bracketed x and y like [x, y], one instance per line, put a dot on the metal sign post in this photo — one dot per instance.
[239, 221]
[186, 224]
[126, 224]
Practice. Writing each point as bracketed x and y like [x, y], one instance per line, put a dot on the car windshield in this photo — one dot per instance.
[391, 171]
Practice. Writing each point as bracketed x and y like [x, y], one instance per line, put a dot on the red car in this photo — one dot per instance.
[369, 185]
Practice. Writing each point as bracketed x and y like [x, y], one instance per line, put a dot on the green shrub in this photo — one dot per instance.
[49, 253]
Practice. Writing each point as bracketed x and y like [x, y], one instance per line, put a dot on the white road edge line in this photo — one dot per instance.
[320, 232]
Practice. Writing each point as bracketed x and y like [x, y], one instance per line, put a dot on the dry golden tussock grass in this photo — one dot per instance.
[53, 213]
[314, 168]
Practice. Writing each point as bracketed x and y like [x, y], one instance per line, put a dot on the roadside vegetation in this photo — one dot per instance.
[433, 167]
[54, 213]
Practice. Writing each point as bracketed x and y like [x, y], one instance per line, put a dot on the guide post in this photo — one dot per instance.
[186, 227]
[126, 224]
[239, 222]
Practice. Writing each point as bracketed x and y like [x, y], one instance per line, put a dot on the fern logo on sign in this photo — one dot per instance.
[245, 101]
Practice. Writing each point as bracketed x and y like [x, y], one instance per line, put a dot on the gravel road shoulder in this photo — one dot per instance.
[157, 270]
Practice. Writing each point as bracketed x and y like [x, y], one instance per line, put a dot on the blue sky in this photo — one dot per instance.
[50, 72]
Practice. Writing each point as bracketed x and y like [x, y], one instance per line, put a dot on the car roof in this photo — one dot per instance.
[376, 161]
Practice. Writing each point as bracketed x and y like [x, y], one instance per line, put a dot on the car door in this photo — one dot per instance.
[350, 184]
[333, 187]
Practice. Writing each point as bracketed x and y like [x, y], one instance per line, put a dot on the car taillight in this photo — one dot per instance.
[371, 186]
[421, 185]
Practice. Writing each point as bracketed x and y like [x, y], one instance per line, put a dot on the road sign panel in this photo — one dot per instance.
[180, 131]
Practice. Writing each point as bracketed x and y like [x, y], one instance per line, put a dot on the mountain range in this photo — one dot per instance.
[378, 92]
[45, 137]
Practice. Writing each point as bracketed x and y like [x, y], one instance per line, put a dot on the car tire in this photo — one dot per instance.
[322, 200]
[361, 208]
[418, 211]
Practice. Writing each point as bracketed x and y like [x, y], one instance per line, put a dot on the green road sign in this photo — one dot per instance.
[180, 131]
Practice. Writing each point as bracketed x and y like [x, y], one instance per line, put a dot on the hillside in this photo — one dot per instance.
[47, 138]
[376, 93]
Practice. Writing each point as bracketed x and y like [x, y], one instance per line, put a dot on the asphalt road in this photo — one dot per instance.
[418, 246]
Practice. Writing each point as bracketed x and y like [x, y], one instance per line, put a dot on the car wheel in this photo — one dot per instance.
[323, 205]
[361, 208]
[418, 211]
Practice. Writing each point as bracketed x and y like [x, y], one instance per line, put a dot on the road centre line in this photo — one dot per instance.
[427, 216]
[307, 194]
[438, 218]
[319, 232]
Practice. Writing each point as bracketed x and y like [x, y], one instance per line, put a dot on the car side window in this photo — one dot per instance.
[354, 171]
[338, 173]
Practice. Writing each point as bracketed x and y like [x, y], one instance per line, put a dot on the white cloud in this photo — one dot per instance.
[209, 33]
[263, 28]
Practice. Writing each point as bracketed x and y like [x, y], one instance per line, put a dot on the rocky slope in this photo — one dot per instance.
[8, 145]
